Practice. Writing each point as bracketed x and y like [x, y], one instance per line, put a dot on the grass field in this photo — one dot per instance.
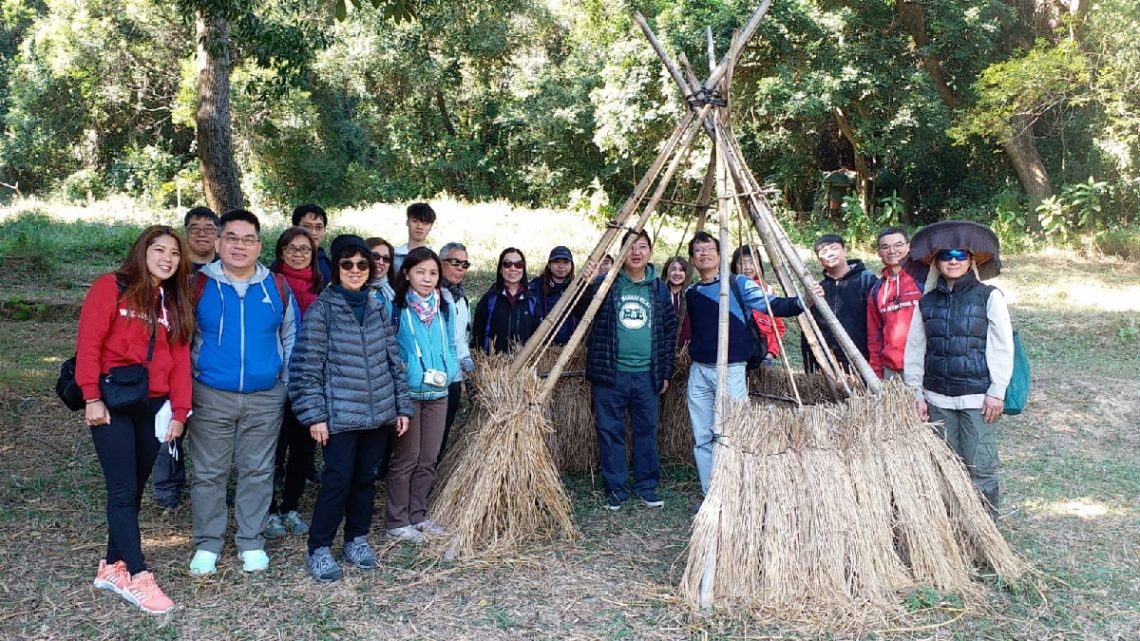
[1071, 468]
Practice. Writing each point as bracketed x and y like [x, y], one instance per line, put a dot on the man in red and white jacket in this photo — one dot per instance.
[892, 302]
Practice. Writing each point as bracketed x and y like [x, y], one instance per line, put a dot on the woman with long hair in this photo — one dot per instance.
[141, 316]
[384, 255]
[771, 328]
[347, 384]
[426, 337]
[295, 258]
[507, 314]
[677, 274]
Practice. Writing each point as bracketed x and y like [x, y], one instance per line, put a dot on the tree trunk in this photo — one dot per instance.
[1022, 151]
[214, 134]
[862, 171]
[444, 115]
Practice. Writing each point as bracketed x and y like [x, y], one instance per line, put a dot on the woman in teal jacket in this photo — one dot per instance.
[426, 339]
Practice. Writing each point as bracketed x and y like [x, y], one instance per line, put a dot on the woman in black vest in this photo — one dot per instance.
[959, 360]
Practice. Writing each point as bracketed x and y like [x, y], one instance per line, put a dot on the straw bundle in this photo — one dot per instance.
[830, 511]
[573, 442]
[500, 487]
[675, 432]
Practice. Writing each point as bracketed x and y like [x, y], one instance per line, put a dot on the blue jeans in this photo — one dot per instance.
[702, 411]
[636, 394]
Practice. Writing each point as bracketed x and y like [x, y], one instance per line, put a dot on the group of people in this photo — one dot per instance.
[364, 350]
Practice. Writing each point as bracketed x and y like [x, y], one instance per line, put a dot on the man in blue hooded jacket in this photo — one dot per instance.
[246, 323]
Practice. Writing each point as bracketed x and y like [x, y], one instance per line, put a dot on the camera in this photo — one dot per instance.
[435, 378]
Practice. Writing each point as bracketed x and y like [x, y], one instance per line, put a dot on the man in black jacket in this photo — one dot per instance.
[846, 286]
[630, 362]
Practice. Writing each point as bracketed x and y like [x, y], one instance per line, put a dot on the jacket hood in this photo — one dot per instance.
[650, 274]
[855, 266]
[214, 270]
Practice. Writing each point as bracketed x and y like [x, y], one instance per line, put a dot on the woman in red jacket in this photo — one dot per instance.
[296, 260]
[149, 293]
[771, 327]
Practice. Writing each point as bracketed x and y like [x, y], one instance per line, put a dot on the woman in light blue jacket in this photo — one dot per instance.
[426, 338]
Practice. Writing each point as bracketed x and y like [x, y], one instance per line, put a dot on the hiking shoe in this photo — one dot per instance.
[274, 527]
[650, 499]
[168, 502]
[358, 553]
[294, 523]
[427, 526]
[407, 533]
[323, 567]
[613, 502]
[113, 577]
[204, 563]
[145, 594]
[254, 560]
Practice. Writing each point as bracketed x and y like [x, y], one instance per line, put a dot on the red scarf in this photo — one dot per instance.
[301, 282]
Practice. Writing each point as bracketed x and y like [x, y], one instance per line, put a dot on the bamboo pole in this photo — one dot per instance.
[604, 288]
[537, 342]
[706, 189]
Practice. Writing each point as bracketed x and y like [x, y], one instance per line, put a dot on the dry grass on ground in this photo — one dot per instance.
[1071, 505]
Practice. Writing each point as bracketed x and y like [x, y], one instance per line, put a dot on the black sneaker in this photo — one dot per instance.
[613, 502]
[650, 499]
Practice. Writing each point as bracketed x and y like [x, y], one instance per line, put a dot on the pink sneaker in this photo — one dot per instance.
[145, 593]
[112, 578]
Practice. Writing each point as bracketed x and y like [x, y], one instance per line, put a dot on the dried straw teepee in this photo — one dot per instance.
[821, 513]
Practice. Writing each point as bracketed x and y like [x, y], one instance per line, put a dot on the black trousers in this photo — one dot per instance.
[348, 485]
[295, 449]
[454, 392]
[126, 448]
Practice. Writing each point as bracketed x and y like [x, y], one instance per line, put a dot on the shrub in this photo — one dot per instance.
[82, 186]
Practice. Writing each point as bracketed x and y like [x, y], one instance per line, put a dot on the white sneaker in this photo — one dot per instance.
[427, 526]
[204, 563]
[407, 533]
[254, 560]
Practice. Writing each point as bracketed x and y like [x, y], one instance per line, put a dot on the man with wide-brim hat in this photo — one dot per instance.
[959, 357]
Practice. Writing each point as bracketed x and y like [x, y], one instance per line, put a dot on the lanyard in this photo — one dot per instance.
[416, 344]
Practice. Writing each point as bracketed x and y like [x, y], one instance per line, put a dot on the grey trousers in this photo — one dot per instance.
[231, 429]
[974, 440]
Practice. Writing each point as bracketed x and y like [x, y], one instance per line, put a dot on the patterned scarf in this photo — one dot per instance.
[425, 308]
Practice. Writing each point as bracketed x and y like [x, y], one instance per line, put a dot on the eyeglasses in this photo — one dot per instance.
[314, 227]
[895, 246]
[301, 250]
[954, 254]
[349, 265]
[707, 249]
[201, 230]
[247, 241]
[512, 264]
[381, 258]
[455, 262]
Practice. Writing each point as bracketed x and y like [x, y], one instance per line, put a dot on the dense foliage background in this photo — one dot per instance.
[937, 107]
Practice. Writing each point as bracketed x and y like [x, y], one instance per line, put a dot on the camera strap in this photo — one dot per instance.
[416, 344]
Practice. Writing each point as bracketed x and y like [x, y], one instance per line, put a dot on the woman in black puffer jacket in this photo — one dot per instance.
[346, 382]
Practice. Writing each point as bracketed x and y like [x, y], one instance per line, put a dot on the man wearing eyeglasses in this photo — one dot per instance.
[892, 302]
[246, 324]
[315, 221]
[201, 227]
[453, 256]
[959, 361]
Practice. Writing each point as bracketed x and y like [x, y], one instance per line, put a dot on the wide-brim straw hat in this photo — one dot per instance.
[976, 238]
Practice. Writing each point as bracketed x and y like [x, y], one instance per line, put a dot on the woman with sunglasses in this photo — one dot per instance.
[959, 360]
[426, 337]
[383, 254]
[141, 316]
[295, 258]
[771, 327]
[347, 383]
[507, 314]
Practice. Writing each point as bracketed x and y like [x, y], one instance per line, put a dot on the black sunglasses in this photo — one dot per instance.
[360, 265]
[381, 258]
[455, 262]
[517, 264]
